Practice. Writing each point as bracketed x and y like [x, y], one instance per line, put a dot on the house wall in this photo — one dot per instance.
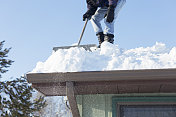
[100, 105]
[95, 105]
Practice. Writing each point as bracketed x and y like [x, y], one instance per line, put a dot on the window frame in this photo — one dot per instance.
[141, 100]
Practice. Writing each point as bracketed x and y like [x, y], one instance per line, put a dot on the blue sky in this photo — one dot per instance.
[33, 27]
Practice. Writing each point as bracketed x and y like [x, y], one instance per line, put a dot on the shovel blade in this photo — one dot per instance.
[86, 47]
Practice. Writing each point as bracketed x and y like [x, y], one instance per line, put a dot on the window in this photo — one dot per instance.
[144, 106]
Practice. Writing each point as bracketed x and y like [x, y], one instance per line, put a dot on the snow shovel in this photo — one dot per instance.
[86, 47]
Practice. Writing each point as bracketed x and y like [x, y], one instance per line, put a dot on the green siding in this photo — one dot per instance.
[79, 103]
[101, 105]
[95, 105]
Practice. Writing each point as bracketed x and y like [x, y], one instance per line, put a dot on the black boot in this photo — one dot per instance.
[109, 38]
[100, 36]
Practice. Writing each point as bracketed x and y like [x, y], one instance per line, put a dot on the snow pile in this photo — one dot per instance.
[109, 57]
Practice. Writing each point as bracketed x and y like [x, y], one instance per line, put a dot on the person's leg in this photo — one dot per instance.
[109, 27]
[95, 20]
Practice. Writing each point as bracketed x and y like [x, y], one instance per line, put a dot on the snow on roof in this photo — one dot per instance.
[109, 57]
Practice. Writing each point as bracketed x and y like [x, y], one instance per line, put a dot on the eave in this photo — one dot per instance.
[106, 82]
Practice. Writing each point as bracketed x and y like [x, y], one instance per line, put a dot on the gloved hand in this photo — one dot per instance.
[89, 13]
[110, 14]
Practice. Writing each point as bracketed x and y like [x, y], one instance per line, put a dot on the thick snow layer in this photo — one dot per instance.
[109, 57]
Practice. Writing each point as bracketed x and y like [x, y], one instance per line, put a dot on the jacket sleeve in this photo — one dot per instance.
[88, 6]
[113, 2]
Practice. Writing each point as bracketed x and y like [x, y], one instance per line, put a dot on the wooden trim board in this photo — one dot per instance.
[72, 99]
[148, 74]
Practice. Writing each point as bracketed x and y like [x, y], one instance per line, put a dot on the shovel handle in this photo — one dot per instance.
[82, 32]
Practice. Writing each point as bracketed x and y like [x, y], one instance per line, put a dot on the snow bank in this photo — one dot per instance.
[109, 57]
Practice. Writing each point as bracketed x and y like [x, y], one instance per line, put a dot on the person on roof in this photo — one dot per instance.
[103, 9]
